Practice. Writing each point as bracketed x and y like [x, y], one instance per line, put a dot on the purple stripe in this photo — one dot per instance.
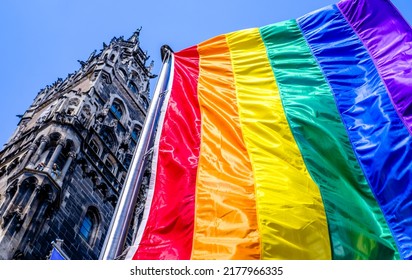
[388, 38]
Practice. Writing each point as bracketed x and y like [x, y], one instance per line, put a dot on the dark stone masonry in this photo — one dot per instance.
[62, 170]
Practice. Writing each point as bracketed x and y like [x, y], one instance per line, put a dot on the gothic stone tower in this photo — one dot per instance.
[62, 170]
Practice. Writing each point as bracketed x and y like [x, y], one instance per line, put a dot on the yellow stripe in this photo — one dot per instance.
[226, 222]
[291, 216]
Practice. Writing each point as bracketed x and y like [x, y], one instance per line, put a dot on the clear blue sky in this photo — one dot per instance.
[42, 40]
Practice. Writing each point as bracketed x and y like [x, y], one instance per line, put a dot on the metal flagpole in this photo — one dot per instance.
[119, 226]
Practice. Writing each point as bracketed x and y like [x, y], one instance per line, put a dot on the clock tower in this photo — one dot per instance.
[62, 170]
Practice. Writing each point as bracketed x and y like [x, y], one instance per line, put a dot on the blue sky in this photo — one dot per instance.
[42, 40]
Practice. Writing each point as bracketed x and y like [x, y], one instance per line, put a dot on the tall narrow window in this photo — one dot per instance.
[123, 74]
[94, 146]
[89, 226]
[109, 165]
[133, 88]
[122, 178]
[117, 110]
[145, 103]
[135, 134]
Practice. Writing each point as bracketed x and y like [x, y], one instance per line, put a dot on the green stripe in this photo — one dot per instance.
[357, 227]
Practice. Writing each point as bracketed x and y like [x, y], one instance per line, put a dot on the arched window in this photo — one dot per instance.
[109, 164]
[123, 74]
[133, 87]
[117, 110]
[145, 103]
[127, 161]
[122, 178]
[135, 134]
[94, 146]
[89, 226]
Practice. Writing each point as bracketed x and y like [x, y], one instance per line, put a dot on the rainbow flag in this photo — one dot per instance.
[289, 141]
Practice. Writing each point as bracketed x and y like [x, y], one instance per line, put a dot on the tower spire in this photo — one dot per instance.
[135, 37]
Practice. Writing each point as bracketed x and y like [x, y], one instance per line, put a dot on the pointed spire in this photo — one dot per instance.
[135, 36]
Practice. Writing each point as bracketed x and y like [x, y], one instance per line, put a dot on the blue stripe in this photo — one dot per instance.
[380, 141]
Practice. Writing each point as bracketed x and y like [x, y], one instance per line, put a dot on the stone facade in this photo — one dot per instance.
[62, 170]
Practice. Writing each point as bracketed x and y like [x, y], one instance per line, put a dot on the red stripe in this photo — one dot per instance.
[169, 229]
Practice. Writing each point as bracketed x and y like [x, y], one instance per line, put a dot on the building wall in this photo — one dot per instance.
[65, 224]
[63, 169]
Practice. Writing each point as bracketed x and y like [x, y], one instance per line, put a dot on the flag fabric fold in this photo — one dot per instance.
[289, 141]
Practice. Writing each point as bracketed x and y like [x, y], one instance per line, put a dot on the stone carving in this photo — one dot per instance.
[65, 198]
[74, 102]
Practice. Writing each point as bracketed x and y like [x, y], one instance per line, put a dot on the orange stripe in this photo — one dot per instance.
[226, 223]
